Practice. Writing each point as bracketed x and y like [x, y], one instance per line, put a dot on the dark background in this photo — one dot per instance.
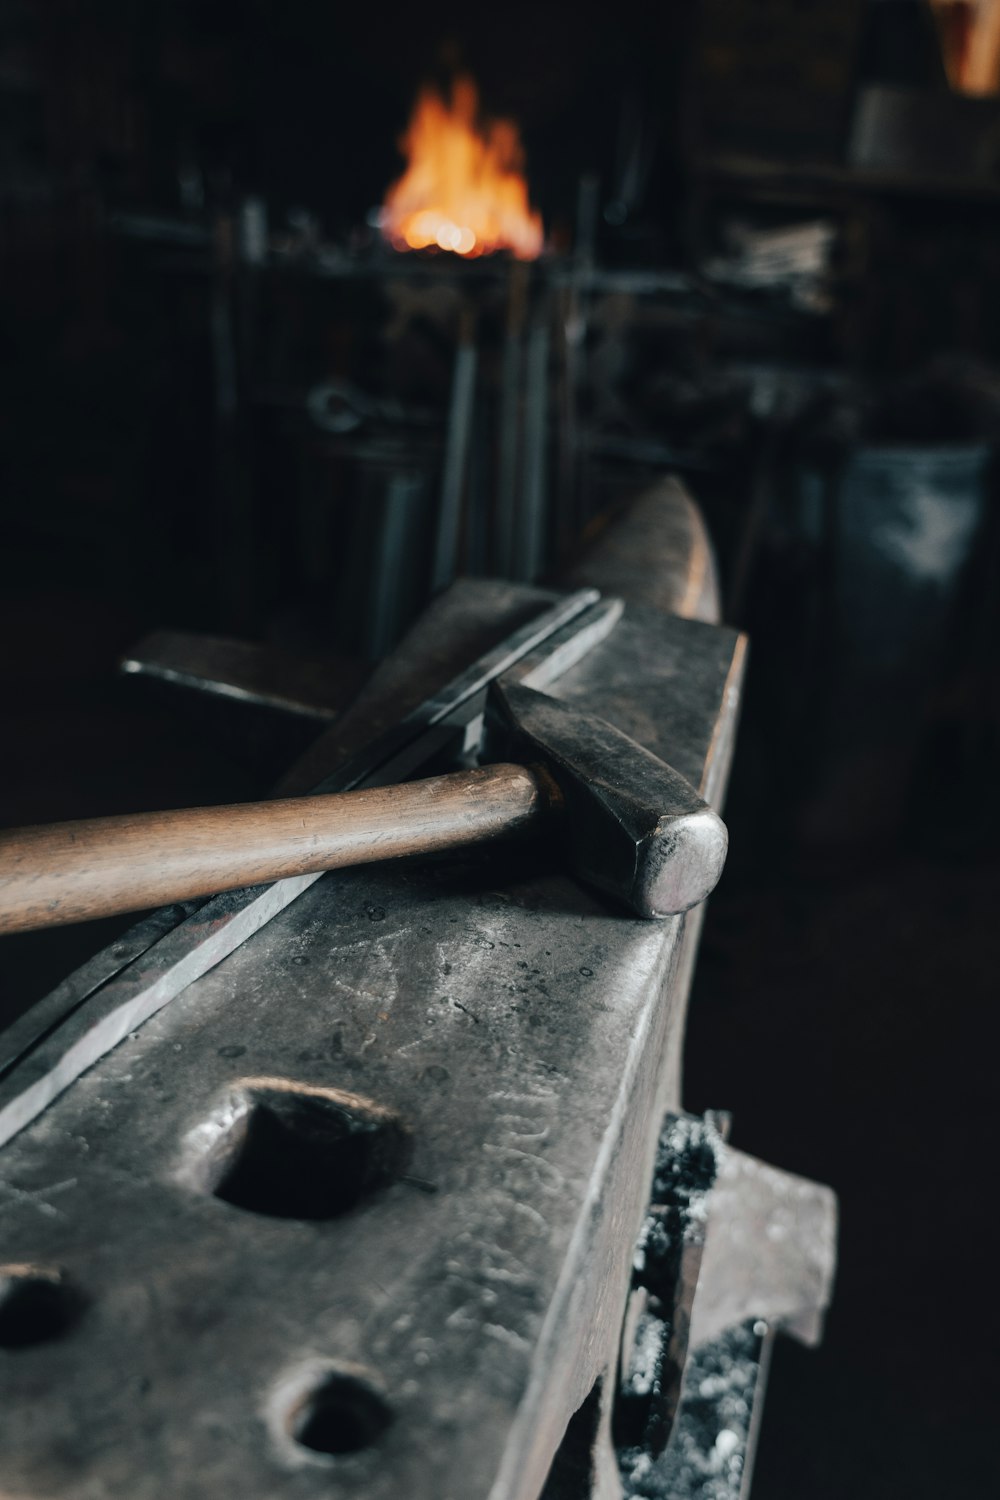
[842, 1006]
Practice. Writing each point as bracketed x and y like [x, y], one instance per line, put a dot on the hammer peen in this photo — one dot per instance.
[630, 826]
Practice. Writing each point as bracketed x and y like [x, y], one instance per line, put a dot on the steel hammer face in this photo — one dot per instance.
[633, 826]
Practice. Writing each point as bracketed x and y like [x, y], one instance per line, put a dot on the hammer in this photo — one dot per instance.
[631, 826]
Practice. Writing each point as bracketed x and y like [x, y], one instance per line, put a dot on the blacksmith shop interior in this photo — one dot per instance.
[500, 598]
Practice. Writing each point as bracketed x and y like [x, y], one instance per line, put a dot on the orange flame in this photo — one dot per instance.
[463, 189]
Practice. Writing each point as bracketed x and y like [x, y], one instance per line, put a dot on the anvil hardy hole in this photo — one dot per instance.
[342, 1415]
[299, 1153]
[36, 1304]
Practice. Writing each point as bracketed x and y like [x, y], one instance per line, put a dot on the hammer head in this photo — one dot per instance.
[635, 828]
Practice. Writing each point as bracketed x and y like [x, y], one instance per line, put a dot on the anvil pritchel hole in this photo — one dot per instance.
[36, 1304]
[342, 1415]
[294, 1152]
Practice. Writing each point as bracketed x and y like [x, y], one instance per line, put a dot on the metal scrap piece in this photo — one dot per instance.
[245, 672]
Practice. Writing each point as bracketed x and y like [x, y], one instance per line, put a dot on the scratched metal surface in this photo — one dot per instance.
[526, 1035]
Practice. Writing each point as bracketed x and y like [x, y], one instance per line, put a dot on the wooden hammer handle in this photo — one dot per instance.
[70, 872]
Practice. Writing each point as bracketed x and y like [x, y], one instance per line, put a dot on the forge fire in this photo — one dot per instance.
[464, 188]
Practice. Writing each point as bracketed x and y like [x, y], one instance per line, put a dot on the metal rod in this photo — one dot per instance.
[456, 456]
[402, 495]
[508, 461]
[534, 489]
